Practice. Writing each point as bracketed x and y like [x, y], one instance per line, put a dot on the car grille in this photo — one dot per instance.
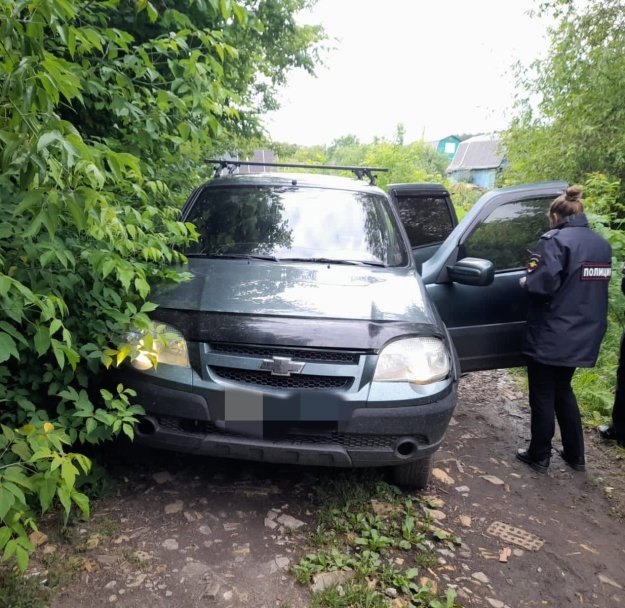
[298, 381]
[266, 352]
[328, 370]
[346, 440]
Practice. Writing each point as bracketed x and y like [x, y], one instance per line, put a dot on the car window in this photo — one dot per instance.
[427, 219]
[296, 222]
[507, 234]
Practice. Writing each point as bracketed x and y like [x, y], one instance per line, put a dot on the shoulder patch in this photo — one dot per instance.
[550, 234]
[596, 272]
[534, 260]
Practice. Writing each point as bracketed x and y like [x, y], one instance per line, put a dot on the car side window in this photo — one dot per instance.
[427, 219]
[507, 234]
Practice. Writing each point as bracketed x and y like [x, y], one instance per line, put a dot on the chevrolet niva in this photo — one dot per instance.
[327, 322]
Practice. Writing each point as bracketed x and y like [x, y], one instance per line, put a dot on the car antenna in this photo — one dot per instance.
[223, 164]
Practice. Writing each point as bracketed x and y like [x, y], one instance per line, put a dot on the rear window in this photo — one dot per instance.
[427, 219]
[296, 222]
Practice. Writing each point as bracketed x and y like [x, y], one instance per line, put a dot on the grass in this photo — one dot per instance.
[59, 568]
[48, 573]
[18, 591]
[381, 537]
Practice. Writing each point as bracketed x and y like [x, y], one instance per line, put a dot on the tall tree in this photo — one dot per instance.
[571, 113]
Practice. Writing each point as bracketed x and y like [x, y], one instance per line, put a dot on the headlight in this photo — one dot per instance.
[416, 360]
[164, 344]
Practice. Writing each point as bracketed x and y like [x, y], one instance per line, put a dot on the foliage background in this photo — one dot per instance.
[413, 162]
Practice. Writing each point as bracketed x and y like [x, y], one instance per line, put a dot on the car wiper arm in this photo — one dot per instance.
[334, 261]
[234, 256]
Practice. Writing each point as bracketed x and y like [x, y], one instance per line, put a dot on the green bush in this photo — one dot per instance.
[595, 387]
[106, 110]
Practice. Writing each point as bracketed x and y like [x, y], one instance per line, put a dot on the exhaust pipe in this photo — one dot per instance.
[406, 447]
[148, 425]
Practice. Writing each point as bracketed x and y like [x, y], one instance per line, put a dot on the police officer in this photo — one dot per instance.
[567, 282]
[616, 431]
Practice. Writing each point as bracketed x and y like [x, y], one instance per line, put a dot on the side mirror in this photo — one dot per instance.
[472, 271]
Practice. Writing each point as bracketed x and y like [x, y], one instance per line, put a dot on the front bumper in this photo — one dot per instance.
[322, 430]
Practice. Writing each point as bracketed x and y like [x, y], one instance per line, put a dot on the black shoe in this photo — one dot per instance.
[607, 433]
[541, 465]
[578, 464]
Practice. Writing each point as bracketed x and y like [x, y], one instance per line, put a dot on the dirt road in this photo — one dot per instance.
[189, 532]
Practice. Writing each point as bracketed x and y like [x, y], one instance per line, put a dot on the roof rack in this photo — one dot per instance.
[223, 164]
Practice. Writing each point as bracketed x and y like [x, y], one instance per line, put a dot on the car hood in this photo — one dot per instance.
[307, 290]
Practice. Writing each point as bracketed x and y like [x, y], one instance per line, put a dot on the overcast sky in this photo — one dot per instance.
[439, 67]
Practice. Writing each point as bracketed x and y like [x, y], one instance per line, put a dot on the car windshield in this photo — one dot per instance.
[296, 223]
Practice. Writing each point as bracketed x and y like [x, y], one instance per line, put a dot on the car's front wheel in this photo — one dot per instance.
[415, 474]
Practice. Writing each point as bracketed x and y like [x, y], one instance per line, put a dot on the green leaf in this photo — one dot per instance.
[16, 474]
[55, 326]
[48, 138]
[46, 493]
[16, 491]
[9, 329]
[65, 498]
[82, 502]
[59, 352]
[42, 340]
[9, 549]
[83, 462]
[152, 12]
[411, 573]
[21, 556]
[68, 472]
[90, 425]
[148, 307]
[128, 430]
[21, 449]
[5, 285]
[42, 453]
[8, 348]
[141, 285]
[7, 500]
[5, 535]
[108, 267]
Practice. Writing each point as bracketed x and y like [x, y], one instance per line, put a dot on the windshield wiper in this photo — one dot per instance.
[333, 261]
[233, 256]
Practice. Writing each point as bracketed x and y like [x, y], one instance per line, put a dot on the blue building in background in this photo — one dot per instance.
[448, 146]
[477, 161]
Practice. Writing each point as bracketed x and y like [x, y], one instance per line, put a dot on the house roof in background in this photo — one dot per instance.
[479, 152]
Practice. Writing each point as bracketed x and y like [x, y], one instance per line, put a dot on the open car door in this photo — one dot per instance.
[428, 216]
[473, 278]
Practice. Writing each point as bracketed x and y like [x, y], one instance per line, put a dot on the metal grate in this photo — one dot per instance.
[347, 440]
[265, 352]
[298, 381]
[515, 535]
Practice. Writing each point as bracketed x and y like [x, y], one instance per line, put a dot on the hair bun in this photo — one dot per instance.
[573, 194]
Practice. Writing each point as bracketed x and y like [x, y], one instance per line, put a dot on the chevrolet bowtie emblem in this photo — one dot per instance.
[281, 366]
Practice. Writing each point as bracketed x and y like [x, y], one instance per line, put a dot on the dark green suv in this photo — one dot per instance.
[307, 335]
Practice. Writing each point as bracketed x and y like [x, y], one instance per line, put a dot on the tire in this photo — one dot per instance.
[415, 474]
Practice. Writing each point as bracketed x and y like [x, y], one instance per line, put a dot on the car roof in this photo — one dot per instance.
[310, 180]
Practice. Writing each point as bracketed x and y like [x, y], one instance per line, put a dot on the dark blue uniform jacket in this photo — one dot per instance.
[567, 282]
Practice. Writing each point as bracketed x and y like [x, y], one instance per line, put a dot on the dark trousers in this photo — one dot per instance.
[618, 411]
[551, 397]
